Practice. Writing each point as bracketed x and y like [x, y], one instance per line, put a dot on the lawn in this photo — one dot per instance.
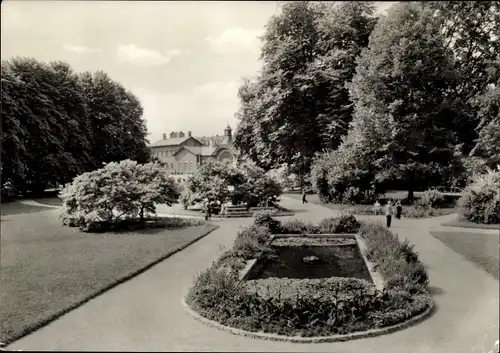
[49, 269]
[472, 225]
[479, 248]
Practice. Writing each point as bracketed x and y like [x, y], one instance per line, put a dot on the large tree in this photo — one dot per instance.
[400, 94]
[119, 131]
[298, 104]
[57, 124]
[471, 30]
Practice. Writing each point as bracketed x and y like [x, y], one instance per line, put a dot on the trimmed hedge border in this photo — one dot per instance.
[318, 339]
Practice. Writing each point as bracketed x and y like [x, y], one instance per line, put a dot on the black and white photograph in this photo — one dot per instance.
[250, 176]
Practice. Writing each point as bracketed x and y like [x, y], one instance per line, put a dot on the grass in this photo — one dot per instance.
[49, 269]
[478, 248]
[472, 225]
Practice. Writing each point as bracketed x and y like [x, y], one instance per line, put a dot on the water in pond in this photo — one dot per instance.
[334, 261]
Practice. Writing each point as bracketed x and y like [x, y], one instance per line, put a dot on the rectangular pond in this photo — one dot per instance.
[333, 261]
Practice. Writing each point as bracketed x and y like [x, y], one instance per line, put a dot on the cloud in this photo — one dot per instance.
[205, 110]
[236, 39]
[133, 54]
[80, 49]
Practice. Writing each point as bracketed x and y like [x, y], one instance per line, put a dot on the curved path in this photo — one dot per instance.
[146, 314]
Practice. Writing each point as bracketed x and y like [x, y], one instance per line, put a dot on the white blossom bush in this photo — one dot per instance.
[117, 191]
[218, 181]
[480, 201]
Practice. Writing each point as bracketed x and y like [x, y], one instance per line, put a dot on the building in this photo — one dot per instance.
[183, 154]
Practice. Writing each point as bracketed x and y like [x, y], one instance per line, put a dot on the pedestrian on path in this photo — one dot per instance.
[377, 207]
[223, 210]
[399, 209]
[304, 200]
[388, 213]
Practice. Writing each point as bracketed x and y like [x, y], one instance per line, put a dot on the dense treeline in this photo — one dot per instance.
[404, 99]
[57, 124]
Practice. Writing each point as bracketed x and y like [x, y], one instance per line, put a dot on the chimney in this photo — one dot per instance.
[181, 134]
[189, 133]
[164, 136]
[173, 134]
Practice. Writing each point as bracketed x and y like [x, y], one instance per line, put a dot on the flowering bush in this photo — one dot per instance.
[430, 199]
[219, 181]
[480, 201]
[116, 191]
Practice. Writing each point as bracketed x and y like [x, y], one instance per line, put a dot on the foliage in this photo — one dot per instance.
[345, 175]
[339, 225]
[430, 198]
[399, 92]
[218, 181]
[394, 259]
[57, 124]
[265, 219]
[298, 226]
[408, 211]
[480, 201]
[470, 29]
[487, 144]
[126, 189]
[259, 188]
[284, 177]
[310, 307]
[250, 241]
[298, 104]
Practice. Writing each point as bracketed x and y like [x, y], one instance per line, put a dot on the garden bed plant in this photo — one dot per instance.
[311, 307]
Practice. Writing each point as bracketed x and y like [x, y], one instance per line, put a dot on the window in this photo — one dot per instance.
[172, 165]
[185, 165]
[190, 166]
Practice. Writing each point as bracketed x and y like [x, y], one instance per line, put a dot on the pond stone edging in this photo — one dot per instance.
[317, 339]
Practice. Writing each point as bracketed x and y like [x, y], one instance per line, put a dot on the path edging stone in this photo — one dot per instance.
[318, 339]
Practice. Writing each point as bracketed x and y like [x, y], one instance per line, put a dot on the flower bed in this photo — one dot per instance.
[407, 211]
[311, 307]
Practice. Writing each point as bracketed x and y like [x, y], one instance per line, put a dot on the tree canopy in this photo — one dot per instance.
[298, 104]
[400, 96]
[57, 124]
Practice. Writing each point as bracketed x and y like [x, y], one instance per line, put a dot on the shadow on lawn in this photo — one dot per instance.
[433, 290]
[15, 208]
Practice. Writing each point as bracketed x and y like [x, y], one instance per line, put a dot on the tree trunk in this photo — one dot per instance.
[410, 194]
[141, 215]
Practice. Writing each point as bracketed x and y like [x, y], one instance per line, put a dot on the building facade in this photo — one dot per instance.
[182, 154]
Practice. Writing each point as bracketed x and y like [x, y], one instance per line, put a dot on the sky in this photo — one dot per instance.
[184, 59]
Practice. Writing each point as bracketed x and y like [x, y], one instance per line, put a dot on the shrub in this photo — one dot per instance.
[114, 192]
[297, 226]
[480, 201]
[342, 224]
[219, 181]
[394, 259]
[430, 199]
[345, 175]
[265, 219]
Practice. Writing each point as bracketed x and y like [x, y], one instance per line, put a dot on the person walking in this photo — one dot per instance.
[399, 209]
[376, 207]
[388, 213]
[304, 200]
[223, 210]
